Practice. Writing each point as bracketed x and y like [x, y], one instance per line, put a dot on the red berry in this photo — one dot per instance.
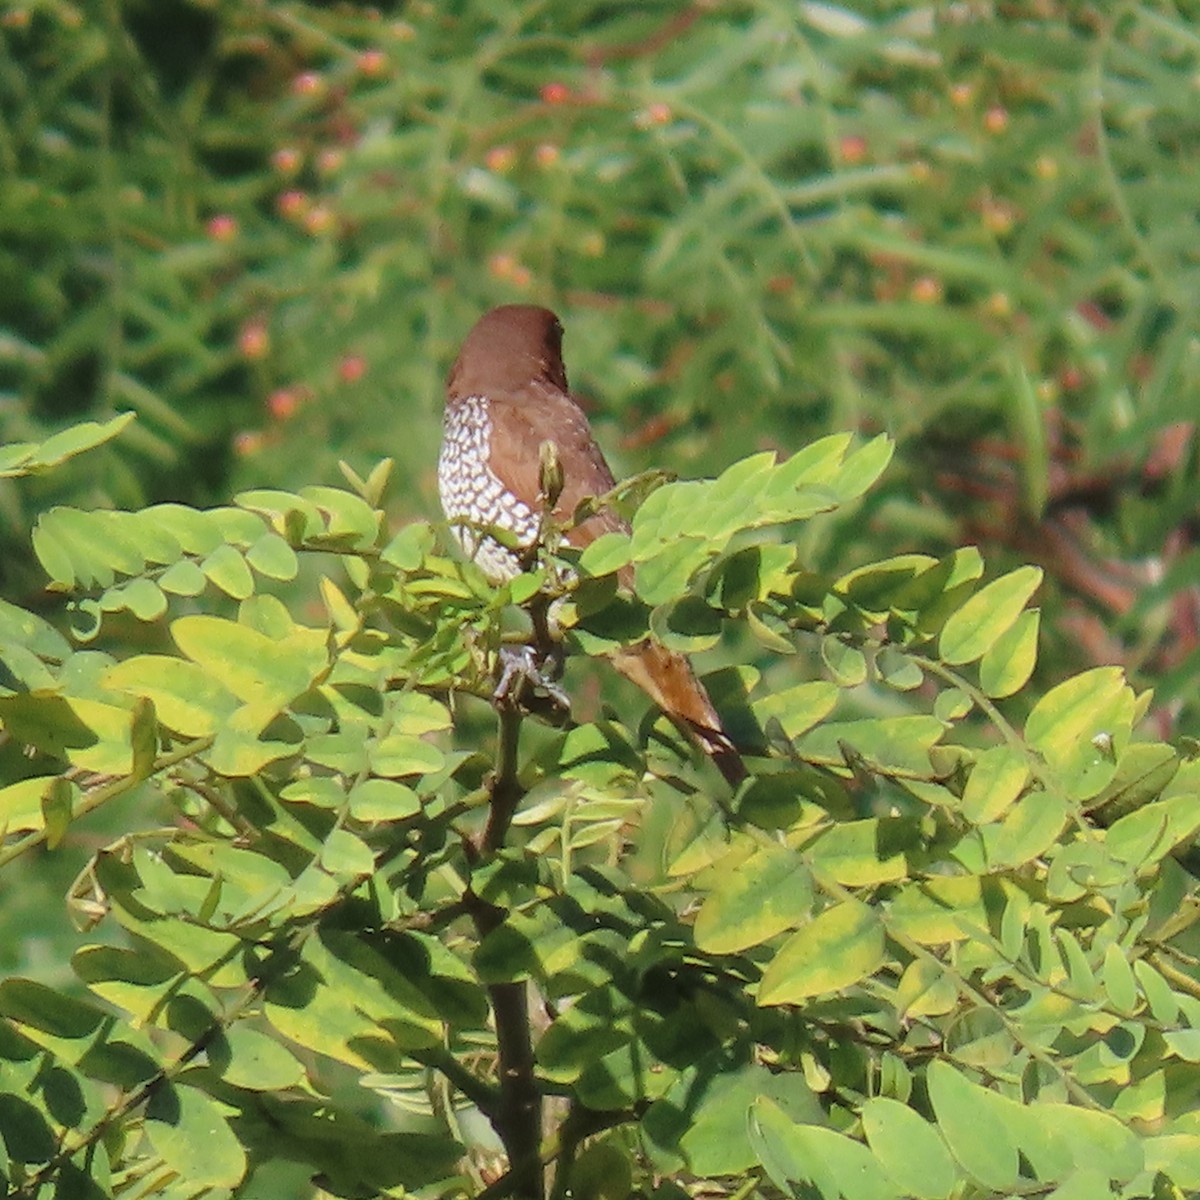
[319, 219]
[308, 83]
[222, 227]
[254, 341]
[282, 403]
[286, 160]
[852, 149]
[372, 63]
[500, 159]
[292, 204]
[352, 368]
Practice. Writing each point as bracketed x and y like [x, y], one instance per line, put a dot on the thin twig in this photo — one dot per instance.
[102, 795]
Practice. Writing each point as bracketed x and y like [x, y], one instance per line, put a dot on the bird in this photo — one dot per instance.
[506, 397]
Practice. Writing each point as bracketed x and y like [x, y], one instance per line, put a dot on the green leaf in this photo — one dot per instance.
[898, 671]
[770, 1133]
[344, 1000]
[234, 526]
[1163, 1005]
[876, 585]
[142, 597]
[1087, 1184]
[909, 1149]
[861, 853]
[1119, 982]
[265, 673]
[238, 751]
[1066, 724]
[769, 892]
[1029, 828]
[35, 634]
[57, 800]
[768, 631]
[940, 910]
[1028, 422]
[665, 575]
[407, 550]
[1176, 1155]
[818, 462]
[1143, 837]
[55, 450]
[799, 708]
[285, 510]
[183, 578]
[413, 713]
[890, 743]
[839, 948]
[273, 557]
[45, 1013]
[227, 569]
[347, 856]
[1184, 1044]
[952, 705]
[1095, 1140]
[401, 754]
[1144, 770]
[188, 1129]
[350, 520]
[383, 800]
[247, 1058]
[704, 1115]
[987, 615]
[109, 752]
[606, 555]
[21, 803]
[862, 468]
[1083, 979]
[186, 697]
[143, 738]
[996, 780]
[845, 663]
[688, 625]
[54, 552]
[970, 1119]
[832, 1163]
[1007, 666]
[925, 989]
[318, 790]
[195, 531]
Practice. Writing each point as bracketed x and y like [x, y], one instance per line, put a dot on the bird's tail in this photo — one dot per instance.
[668, 679]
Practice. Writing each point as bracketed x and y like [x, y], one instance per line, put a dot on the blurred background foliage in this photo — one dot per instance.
[265, 227]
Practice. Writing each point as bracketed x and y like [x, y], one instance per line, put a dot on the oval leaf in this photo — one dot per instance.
[188, 1130]
[987, 615]
[909, 1149]
[840, 948]
[971, 1124]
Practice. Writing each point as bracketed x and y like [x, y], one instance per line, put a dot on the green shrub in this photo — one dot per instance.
[940, 944]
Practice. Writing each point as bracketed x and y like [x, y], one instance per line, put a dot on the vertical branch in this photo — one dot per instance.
[518, 1116]
[506, 787]
[518, 1119]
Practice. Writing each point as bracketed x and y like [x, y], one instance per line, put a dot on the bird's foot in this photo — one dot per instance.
[529, 678]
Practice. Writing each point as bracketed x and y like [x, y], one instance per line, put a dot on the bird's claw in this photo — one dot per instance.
[522, 667]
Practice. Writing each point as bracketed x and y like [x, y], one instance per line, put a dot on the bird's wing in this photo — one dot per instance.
[519, 429]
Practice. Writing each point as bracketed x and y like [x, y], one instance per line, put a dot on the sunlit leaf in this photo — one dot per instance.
[839, 948]
[989, 614]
